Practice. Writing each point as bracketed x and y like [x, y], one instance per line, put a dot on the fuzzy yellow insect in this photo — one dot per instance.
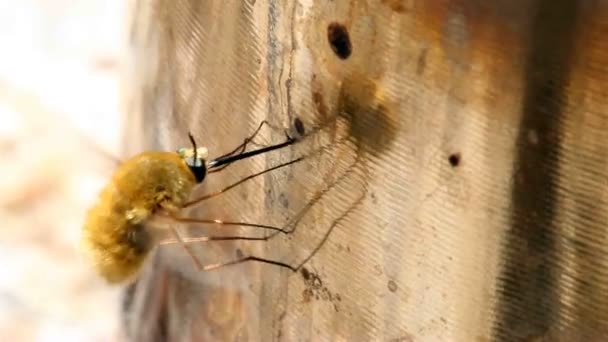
[117, 230]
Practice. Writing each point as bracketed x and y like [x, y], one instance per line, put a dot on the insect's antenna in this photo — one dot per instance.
[193, 146]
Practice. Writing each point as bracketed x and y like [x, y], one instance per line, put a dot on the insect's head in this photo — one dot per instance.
[195, 159]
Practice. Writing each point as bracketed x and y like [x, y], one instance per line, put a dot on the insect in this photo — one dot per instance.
[122, 228]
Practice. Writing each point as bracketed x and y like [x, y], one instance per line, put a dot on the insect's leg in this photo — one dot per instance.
[169, 210]
[213, 194]
[330, 229]
[186, 241]
[269, 125]
[210, 267]
[241, 148]
[291, 226]
[226, 223]
[294, 223]
[199, 239]
[232, 262]
[186, 247]
[246, 259]
[277, 230]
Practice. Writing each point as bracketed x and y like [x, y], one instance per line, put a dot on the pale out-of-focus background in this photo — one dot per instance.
[59, 90]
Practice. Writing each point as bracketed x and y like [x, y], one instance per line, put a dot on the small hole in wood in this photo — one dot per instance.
[454, 159]
[339, 40]
[299, 126]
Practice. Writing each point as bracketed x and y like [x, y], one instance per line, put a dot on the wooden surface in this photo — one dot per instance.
[462, 170]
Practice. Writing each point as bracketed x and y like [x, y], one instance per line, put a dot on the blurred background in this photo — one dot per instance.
[58, 117]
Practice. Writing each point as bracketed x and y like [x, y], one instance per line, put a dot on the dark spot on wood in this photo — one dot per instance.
[454, 159]
[307, 294]
[283, 200]
[370, 122]
[421, 64]
[305, 274]
[339, 40]
[405, 338]
[396, 5]
[317, 98]
[299, 126]
[315, 289]
[316, 282]
[392, 286]
[378, 270]
[239, 253]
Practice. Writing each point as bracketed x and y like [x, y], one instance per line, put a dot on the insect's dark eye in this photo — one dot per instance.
[199, 170]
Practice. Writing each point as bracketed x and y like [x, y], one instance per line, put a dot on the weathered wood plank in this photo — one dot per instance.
[468, 151]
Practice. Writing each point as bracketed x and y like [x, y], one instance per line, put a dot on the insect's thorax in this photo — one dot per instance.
[152, 180]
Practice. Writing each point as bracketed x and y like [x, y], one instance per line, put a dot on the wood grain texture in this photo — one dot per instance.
[461, 169]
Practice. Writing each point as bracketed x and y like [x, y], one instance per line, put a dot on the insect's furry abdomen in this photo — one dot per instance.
[115, 232]
[106, 234]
